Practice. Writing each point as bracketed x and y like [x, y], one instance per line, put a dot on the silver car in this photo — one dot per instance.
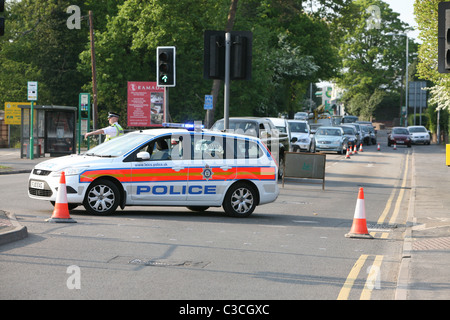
[300, 135]
[419, 134]
[330, 139]
[350, 132]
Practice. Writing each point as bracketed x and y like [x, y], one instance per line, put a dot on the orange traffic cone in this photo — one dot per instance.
[395, 146]
[61, 211]
[354, 150]
[347, 155]
[378, 147]
[359, 227]
[360, 148]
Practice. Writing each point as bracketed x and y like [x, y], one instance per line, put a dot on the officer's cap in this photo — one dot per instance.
[113, 114]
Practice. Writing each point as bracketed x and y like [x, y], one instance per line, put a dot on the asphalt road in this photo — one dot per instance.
[294, 248]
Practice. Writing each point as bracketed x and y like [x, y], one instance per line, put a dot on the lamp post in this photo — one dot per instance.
[407, 72]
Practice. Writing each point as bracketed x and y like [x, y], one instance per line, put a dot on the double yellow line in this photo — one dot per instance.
[372, 282]
[386, 210]
[373, 270]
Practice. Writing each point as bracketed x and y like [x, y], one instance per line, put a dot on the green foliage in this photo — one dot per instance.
[39, 47]
[373, 59]
[293, 45]
[426, 12]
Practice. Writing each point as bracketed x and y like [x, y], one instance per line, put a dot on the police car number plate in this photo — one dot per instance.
[37, 184]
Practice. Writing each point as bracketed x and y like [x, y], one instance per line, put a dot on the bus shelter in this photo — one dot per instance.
[53, 130]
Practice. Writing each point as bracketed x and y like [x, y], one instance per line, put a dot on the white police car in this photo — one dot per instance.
[164, 167]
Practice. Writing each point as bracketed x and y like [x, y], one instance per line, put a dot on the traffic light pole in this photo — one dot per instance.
[166, 104]
[226, 103]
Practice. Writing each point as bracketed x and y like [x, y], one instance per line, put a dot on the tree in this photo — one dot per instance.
[373, 58]
[293, 46]
[40, 44]
[426, 12]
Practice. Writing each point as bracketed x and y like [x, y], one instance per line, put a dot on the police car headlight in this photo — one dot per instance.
[69, 171]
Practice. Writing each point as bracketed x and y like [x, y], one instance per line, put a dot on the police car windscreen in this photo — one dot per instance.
[119, 146]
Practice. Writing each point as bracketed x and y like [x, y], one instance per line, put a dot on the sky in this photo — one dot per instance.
[406, 10]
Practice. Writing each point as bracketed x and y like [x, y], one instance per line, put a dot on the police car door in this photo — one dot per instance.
[212, 168]
[161, 179]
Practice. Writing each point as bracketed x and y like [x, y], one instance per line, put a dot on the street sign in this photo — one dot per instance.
[208, 102]
[13, 113]
[417, 96]
[84, 101]
[32, 90]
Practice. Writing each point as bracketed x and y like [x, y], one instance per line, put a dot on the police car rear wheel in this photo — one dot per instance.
[102, 198]
[240, 200]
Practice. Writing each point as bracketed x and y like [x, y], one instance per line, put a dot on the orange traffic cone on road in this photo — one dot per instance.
[359, 227]
[61, 211]
[347, 155]
[354, 150]
[378, 147]
[395, 146]
[360, 148]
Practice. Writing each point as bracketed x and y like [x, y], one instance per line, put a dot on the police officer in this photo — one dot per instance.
[113, 131]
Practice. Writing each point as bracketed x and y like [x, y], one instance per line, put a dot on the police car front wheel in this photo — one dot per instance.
[240, 200]
[102, 198]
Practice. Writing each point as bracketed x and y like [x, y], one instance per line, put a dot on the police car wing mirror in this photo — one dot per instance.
[144, 155]
[294, 139]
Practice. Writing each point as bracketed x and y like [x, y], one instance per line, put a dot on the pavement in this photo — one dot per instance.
[424, 269]
[11, 163]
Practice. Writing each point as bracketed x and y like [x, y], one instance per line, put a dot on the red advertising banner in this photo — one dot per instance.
[145, 104]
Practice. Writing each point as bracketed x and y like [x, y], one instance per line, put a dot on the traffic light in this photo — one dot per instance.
[240, 55]
[2, 26]
[444, 37]
[2, 20]
[240, 58]
[165, 66]
[214, 55]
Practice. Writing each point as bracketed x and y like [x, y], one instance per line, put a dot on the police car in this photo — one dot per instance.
[164, 167]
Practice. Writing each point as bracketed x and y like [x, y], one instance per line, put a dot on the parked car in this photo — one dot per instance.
[366, 138]
[351, 134]
[419, 134]
[301, 116]
[373, 134]
[300, 135]
[399, 135]
[359, 131]
[314, 126]
[283, 127]
[349, 119]
[372, 131]
[281, 124]
[262, 128]
[330, 139]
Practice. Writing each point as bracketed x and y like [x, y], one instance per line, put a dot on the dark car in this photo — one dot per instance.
[399, 135]
[262, 128]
